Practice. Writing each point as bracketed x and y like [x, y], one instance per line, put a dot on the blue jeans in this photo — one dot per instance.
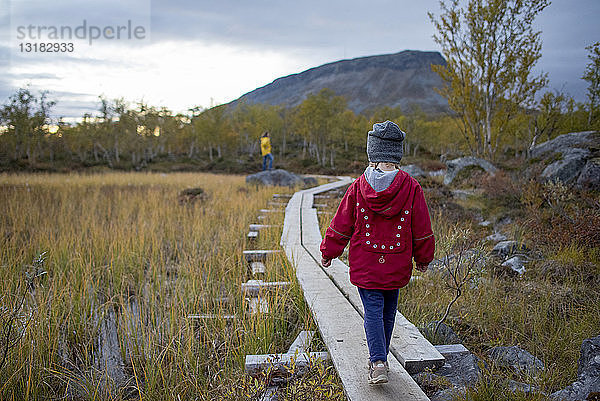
[270, 158]
[380, 308]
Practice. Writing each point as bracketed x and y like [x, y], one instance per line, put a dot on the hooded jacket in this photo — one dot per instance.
[386, 230]
[265, 145]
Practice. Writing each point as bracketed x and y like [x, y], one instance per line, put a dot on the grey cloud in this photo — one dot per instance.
[313, 31]
[387, 25]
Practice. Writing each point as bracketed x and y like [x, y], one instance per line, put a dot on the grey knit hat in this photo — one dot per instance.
[384, 143]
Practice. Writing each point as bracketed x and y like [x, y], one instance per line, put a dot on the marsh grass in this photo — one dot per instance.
[126, 264]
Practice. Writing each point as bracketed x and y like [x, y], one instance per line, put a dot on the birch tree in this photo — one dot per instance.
[592, 75]
[491, 49]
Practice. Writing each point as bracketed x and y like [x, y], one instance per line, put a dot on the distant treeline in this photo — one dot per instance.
[321, 133]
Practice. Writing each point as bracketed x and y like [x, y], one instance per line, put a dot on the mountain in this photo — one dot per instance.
[402, 79]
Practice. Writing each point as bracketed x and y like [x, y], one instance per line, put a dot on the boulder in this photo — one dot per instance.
[277, 177]
[582, 140]
[436, 173]
[516, 358]
[449, 394]
[431, 383]
[457, 165]
[413, 170]
[588, 374]
[568, 156]
[568, 168]
[462, 194]
[310, 182]
[474, 257]
[502, 221]
[525, 388]
[444, 335]
[506, 248]
[496, 237]
[461, 369]
[516, 265]
[191, 195]
[589, 178]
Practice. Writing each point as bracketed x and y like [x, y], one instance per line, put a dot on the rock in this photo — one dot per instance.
[502, 221]
[583, 140]
[431, 382]
[274, 177]
[462, 194]
[575, 150]
[413, 170]
[588, 374]
[495, 237]
[461, 369]
[485, 223]
[444, 335]
[506, 248]
[516, 358]
[568, 168]
[516, 264]
[192, 195]
[437, 173]
[449, 394]
[515, 386]
[471, 256]
[310, 182]
[457, 165]
[589, 179]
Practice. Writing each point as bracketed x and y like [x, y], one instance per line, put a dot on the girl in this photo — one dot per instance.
[385, 218]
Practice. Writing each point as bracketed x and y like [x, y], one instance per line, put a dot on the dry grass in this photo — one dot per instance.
[128, 263]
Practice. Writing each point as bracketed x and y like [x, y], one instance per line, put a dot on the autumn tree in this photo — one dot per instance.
[491, 49]
[26, 117]
[317, 121]
[592, 75]
[213, 129]
[546, 119]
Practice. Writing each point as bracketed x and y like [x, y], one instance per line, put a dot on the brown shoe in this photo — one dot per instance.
[378, 372]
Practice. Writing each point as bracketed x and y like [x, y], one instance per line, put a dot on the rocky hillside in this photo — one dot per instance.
[402, 79]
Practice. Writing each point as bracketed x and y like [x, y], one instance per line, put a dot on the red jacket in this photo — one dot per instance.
[386, 230]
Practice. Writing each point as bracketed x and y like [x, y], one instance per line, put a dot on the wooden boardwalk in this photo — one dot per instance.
[336, 307]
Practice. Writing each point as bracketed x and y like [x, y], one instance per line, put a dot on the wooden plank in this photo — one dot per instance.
[282, 196]
[258, 227]
[302, 342]
[258, 268]
[258, 255]
[260, 218]
[320, 205]
[254, 287]
[252, 235]
[452, 349]
[277, 204]
[271, 210]
[340, 324]
[211, 316]
[258, 305]
[255, 364]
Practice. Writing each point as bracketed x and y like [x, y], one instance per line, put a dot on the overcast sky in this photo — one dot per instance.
[200, 53]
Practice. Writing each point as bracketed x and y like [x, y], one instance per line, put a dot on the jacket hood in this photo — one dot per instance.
[391, 200]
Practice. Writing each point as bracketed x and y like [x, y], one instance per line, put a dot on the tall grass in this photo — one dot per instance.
[126, 265]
